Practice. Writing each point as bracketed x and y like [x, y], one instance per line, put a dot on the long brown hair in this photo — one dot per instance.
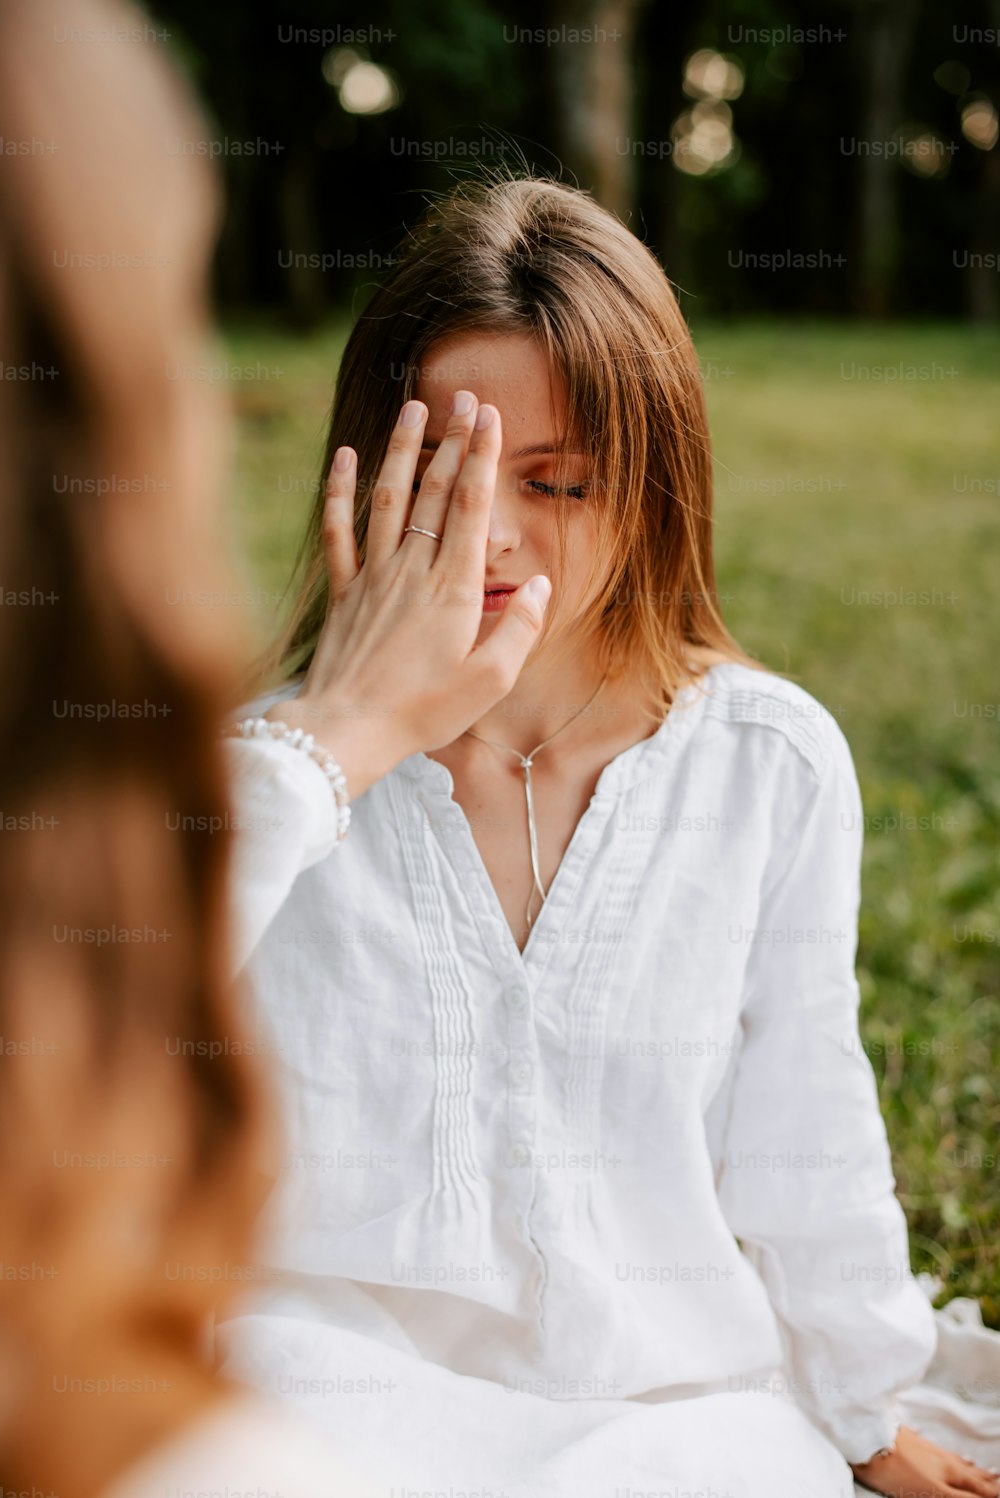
[134, 1130]
[523, 255]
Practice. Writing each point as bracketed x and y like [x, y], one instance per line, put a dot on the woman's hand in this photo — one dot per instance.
[396, 668]
[919, 1469]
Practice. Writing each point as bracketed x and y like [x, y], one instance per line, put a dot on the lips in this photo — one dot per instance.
[496, 596]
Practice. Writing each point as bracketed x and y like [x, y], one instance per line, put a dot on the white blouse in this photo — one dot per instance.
[535, 1169]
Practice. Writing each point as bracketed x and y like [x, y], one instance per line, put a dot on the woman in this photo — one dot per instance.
[585, 1151]
[136, 1136]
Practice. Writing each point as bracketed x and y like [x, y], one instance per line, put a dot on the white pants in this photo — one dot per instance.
[414, 1427]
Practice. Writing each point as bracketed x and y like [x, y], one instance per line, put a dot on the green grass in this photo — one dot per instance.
[829, 488]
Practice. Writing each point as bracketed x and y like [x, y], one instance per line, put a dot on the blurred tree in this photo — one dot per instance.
[321, 187]
[595, 87]
[883, 41]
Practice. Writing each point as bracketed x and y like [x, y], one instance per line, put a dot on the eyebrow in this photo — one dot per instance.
[536, 450]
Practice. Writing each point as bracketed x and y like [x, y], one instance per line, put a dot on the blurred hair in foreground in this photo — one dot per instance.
[126, 1146]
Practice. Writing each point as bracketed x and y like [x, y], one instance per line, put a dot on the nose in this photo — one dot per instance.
[504, 529]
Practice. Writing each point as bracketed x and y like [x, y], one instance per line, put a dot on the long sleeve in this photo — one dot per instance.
[285, 821]
[806, 1180]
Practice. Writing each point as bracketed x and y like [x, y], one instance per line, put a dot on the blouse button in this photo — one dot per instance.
[516, 997]
[522, 1073]
[520, 1154]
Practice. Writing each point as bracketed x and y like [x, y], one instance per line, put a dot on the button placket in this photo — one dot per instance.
[522, 1103]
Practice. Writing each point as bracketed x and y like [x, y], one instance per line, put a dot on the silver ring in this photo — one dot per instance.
[421, 532]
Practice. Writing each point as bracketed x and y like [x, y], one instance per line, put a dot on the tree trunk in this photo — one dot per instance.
[594, 87]
[305, 293]
[885, 30]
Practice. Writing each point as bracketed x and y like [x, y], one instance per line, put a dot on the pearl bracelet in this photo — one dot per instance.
[297, 738]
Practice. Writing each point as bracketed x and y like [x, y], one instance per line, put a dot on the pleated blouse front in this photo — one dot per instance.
[644, 1155]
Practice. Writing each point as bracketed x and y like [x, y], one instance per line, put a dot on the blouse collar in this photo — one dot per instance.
[633, 765]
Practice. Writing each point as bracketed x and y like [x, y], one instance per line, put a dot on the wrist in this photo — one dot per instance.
[359, 740]
[884, 1451]
[277, 730]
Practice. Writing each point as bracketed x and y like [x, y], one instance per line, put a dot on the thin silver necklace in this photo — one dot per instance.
[527, 760]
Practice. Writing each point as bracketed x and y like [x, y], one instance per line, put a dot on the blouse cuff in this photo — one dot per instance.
[858, 1438]
[286, 822]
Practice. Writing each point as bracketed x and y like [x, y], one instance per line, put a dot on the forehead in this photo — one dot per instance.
[510, 372]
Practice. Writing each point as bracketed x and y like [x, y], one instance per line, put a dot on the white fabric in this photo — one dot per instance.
[244, 1447]
[514, 1184]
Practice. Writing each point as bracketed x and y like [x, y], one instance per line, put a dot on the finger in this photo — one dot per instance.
[431, 504]
[393, 488]
[975, 1480]
[970, 1480]
[467, 522]
[499, 661]
[339, 545]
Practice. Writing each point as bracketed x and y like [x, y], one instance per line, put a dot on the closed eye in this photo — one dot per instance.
[550, 491]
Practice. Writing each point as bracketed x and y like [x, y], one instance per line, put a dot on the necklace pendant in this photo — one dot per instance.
[526, 762]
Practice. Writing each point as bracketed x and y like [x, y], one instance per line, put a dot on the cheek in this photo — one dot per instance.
[580, 584]
[541, 533]
[569, 576]
[581, 539]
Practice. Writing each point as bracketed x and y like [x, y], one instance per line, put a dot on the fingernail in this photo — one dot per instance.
[412, 414]
[462, 403]
[483, 418]
[540, 589]
[343, 458]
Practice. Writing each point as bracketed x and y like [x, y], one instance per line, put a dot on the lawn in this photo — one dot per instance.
[858, 537]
